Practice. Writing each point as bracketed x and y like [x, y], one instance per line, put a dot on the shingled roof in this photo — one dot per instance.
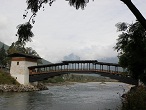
[23, 55]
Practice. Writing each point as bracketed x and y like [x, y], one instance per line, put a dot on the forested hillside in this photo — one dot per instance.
[5, 46]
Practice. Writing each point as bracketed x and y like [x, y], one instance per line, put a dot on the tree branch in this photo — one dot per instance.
[136, 12]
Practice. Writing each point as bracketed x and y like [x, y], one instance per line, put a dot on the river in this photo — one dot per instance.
[79, 96]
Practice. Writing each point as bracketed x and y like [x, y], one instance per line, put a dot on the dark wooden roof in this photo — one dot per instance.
[109, 64]
[49, 65]
[23, 55]
[77, 61]
[81, 61]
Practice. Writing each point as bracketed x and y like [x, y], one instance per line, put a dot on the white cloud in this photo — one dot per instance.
[3, 22]
[61, 30]
[5, 29]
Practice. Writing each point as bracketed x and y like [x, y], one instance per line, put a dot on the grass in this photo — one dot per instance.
[5, 78]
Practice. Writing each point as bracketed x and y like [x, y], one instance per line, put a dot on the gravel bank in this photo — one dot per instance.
[22, 88]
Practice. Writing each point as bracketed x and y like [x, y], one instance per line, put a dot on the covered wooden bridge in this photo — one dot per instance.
[77, 66]
[112, 70]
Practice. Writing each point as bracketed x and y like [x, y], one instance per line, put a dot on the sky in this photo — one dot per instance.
[62, 31]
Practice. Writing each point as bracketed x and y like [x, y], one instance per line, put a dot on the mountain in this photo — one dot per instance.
[5, 46]
[71, 56]
[44, 62]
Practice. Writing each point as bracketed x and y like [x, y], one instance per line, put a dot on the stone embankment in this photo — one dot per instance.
[22, 88]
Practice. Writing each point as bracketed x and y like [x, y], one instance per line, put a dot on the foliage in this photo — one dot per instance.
[24, 32]
[78, 3]
[35, 5]
[5, 78]
[76, 78]
[131, 46]
[135, 100]
[3, 57]
[56, 79]
[85, 78]
[16, 47]
[19, 47]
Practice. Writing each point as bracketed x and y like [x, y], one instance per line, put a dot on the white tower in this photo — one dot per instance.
[19, 66]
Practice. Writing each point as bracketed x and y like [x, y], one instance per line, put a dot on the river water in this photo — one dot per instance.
[79, 96]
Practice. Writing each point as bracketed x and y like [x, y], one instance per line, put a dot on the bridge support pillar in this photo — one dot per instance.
[19, 66]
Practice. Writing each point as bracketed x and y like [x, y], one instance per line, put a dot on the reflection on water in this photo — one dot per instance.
[81, 96]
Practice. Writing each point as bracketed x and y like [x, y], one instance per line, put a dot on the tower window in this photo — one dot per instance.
[17, 63]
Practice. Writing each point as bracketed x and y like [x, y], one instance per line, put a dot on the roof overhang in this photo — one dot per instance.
[24, 55]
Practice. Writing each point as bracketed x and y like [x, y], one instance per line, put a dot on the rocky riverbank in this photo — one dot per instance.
[22, 88]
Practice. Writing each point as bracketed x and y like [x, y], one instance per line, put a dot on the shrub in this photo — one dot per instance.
[135, 99]
[56, 79]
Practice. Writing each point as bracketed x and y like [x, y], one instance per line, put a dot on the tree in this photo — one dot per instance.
[131, 46]
[19, 47]
[30, 51]
[3, 57]
[16, 47]
[136, 12]
[25, 34]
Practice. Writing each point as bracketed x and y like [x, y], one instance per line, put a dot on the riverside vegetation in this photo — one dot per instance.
[5, 78]
[135, 99]
[77, 78]
[9, 84]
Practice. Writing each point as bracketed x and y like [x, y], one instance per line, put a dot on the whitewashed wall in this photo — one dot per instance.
[20, 72]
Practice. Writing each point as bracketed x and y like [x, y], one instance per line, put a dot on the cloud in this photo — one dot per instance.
[92, 52]
[5, 29]
[61, 30]
[3, 22]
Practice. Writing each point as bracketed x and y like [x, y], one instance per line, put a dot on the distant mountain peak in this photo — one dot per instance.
[71, 56]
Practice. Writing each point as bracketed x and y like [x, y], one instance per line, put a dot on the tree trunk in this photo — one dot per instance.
[136, 12]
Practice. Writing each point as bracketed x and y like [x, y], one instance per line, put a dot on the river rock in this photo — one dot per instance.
[22, 88]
